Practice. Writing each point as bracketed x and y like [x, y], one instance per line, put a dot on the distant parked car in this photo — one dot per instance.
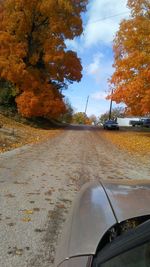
[135, 123]
[109, 226]
[145, 122]
[111, 124]
[141, 122]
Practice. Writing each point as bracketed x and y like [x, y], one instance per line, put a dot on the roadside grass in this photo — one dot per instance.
[133, 140]
[15, 134]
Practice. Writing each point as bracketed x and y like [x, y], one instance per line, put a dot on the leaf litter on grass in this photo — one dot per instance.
[15, 134]
[135, 142]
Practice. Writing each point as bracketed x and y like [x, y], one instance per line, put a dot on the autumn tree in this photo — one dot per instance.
[116, 112]
[80, 118]
[34, 57]
[131, 79]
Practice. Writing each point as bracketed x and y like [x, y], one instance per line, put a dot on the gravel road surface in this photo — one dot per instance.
[39, 182]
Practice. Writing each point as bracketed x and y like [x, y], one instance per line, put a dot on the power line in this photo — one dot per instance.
[105, 18]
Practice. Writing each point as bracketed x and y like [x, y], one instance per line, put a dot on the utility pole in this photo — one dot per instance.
[86, 104]
[110, 110]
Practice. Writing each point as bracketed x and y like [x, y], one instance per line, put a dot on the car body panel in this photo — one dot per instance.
[84, 261]
[92, 216]
[128, 199]
[97, 208]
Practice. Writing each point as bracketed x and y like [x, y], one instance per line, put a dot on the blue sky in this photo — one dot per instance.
[94, 48]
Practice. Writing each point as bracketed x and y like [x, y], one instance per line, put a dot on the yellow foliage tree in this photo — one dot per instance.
[131, 79]
[33, 52]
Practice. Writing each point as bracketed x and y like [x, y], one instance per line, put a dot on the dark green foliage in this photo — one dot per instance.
[67, 117]
[7, 93]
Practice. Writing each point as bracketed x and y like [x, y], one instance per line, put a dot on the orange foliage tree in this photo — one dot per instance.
[34, 56]
[131, 79]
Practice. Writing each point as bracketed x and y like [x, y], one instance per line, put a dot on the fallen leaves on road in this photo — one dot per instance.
[36, 209]
[28, 211]
[48, 193]
[131, 141]
[60, 206]
[22, 183]
[26, 219]
[33, 193]
[38, 230]
[14, 134]
[9, 195]
[19, 252]
[10, 224]
[15, 251]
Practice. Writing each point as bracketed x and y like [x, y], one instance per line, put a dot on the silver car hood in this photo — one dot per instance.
[128, 198]
[98, 207]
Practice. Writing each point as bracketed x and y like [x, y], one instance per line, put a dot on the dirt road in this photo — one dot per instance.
[38, 184]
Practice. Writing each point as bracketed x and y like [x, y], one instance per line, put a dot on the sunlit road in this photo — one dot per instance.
[38, 184]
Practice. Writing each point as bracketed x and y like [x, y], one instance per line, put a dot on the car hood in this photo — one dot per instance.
[97, 208]
[128, 198]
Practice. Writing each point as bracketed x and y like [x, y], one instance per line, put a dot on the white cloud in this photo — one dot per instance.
[99, 96]
[94, 67]
[100, 29]
[75, 45]
[100, 68]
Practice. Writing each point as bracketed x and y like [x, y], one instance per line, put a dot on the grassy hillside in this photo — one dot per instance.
[14, 134]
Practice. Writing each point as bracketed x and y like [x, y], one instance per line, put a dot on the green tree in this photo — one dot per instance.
[7, 93]
[68, 115]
